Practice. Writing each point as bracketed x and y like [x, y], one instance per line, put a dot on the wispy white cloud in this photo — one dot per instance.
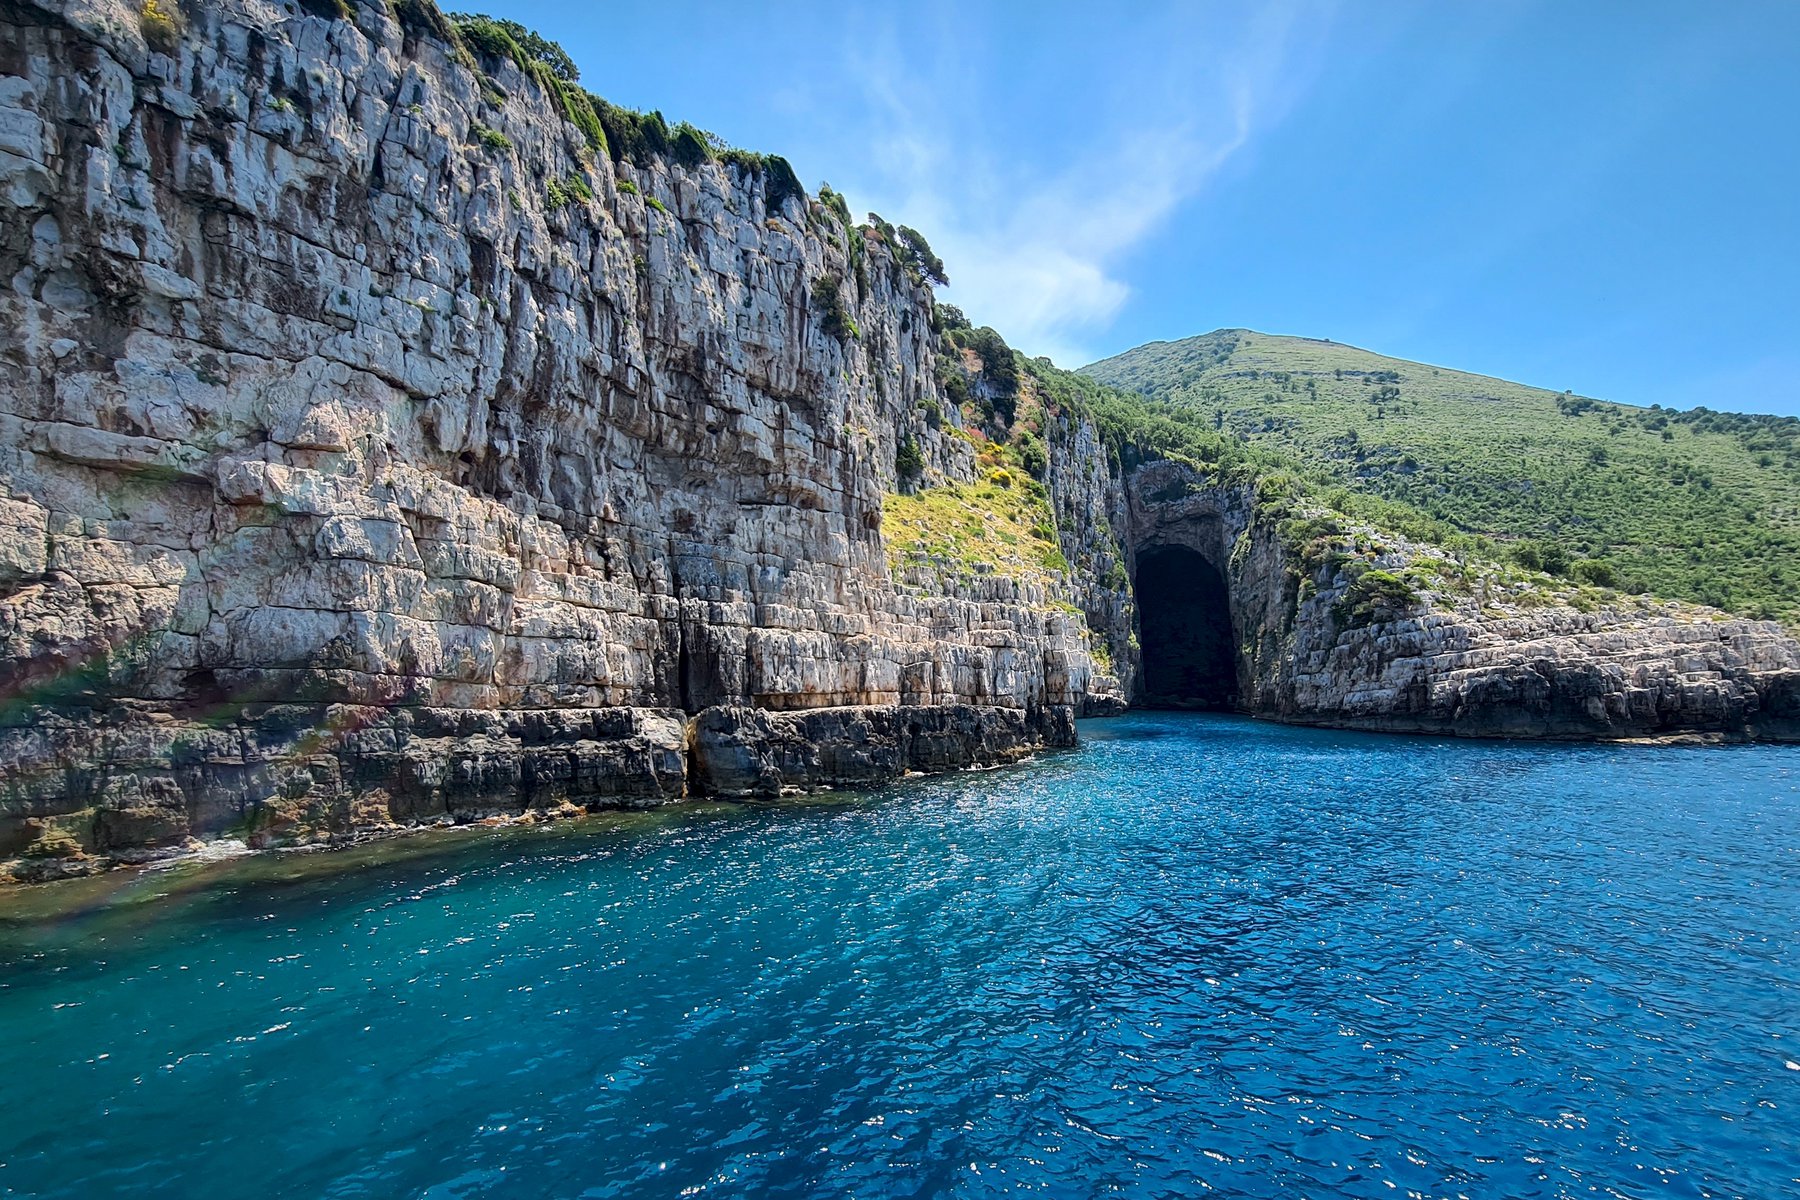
[1040, 249]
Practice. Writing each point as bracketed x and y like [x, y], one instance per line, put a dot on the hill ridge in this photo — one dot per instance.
[1690, 503]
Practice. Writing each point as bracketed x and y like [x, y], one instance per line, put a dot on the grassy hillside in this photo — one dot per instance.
[1000, 524]
[1691, 504]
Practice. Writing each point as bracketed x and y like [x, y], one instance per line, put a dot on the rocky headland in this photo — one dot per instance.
[385, 444]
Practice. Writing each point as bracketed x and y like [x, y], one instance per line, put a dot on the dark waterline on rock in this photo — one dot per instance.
[1198, 952]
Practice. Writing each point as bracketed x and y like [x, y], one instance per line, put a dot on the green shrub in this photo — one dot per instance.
[620, 132]
[835, 201]
[919, 255]
[997, 364]
[655, 132]
[909, 463]
[641, 137]
[545, 51]
[689, 146]
[628, 187]
[953, 380]
[422, 18]
[1032, 455]
[1371, 595]
[827, 296]
[567, 191]
[489, 38]
[780, 184]
[492, 139]
[1594, 572]
[577, 106]
[499, 37]
[947, 318]
[622, 137]
[477, 34]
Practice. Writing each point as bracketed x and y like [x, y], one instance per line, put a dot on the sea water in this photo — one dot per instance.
[1197, 955]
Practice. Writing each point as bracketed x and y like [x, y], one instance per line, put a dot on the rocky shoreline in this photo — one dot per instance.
[725, 754]
[153, 790]
[381, 445]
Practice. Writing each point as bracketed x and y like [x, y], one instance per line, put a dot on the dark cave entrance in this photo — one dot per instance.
[1184, 631]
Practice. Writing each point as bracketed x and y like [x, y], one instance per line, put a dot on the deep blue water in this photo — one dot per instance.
[1196, 955]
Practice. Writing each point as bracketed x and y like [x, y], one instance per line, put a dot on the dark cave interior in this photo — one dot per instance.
[1184, 630]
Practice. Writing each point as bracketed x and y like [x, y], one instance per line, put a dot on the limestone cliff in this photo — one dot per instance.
[378, 449]
[381, 445]
[1338, 624]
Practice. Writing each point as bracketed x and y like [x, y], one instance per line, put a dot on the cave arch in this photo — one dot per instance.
[1188, 654]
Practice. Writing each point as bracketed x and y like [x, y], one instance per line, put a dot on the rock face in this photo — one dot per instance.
[755, 752]
[1447, 662]
[1087, 495]
[377, 450]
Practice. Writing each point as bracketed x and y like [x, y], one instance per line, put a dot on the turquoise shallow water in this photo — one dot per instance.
[1196, 955]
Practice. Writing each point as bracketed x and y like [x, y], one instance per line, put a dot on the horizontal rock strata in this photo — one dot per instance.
[356, 408]
[378, 449]
[86, 794]
[740, 752]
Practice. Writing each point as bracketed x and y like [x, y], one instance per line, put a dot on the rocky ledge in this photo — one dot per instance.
[135, 787]
[379, 444]
[383, 442]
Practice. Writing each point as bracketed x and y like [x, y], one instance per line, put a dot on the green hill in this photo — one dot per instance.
[1692, 504]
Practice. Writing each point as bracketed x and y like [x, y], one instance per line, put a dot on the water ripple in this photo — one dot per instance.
[1197, 955]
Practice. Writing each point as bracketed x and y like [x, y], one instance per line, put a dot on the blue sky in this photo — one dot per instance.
[1596, 196]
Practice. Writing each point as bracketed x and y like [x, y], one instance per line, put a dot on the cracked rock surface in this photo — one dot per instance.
[358, 470]
[351, 476]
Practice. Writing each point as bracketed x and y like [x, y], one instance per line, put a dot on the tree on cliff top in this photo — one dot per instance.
[535, 46]
[929, 264]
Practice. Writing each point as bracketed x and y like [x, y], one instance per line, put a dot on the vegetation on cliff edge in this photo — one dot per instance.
[1694, 504]
[1000, 524]
[1390, 555]
[1564, 498]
